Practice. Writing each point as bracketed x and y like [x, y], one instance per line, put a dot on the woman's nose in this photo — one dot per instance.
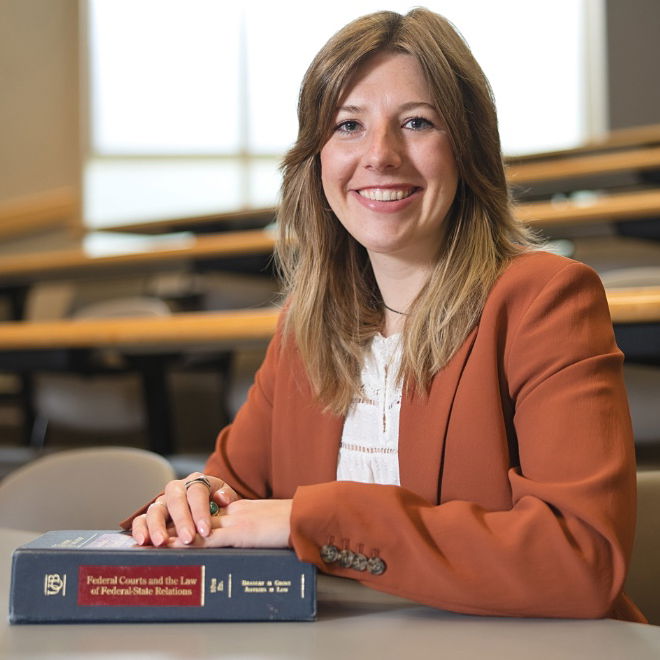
[384, 150]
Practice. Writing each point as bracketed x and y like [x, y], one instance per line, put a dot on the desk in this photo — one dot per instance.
[614, 207]
[174, 332]
[631, 305]
[214, 222]
[65, 263]
[353, 622]
[634, 136]
[153, 343]
[634, 305]
[588, 165]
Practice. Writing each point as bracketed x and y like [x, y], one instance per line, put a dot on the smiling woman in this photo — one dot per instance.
[441, 413]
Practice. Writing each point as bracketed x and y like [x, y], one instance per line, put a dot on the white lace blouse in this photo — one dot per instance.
[369, 450]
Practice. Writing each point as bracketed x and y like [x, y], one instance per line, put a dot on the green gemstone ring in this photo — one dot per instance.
[214, 508]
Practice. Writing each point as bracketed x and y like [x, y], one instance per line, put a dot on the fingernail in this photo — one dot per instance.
[157, 539]
[139, 539]
[203, 528]
[223, 494]
[187, 536]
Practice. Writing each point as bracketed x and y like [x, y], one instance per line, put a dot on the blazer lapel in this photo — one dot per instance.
[423, 427]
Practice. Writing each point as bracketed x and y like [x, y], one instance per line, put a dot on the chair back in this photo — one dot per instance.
[91, 488]
[109, 402]
[643, 583]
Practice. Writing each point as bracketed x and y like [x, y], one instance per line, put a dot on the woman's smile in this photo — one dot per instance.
[386, 199]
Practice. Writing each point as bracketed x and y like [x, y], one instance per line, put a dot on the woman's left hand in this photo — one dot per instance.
[247, 524]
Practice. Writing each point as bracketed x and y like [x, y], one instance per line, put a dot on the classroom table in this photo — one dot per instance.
[574, 167]
[621, 138]
[175, 333]
[246, 219]
[627, 305]
[133, 256]
[592, 208]
[353, 622]
[151, 345]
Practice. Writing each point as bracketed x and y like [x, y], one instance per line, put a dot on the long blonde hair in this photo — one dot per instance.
[334, 304]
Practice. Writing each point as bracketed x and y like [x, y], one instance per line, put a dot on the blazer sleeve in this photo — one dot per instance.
[562, 548]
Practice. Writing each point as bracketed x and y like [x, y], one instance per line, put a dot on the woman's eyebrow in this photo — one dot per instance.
[417, 104]
[351, 109]
[410, 105]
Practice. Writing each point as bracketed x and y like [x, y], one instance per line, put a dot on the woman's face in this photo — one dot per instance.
[388, 170]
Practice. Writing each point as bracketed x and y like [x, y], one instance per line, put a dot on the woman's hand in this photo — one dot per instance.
[247, 524]
[183, 510]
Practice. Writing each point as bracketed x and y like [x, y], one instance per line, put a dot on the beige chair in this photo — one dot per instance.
[643, 584]
[91, 488]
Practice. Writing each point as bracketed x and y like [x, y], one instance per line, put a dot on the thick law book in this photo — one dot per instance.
[103, 576]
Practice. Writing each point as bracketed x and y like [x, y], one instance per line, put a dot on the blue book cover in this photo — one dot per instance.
[103, 576]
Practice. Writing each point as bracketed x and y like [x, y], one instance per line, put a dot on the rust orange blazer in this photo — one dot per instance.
[517, 471]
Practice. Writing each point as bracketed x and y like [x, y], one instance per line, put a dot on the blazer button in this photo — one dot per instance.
[329, 553]
[359, 562]
[376, 566]
[346, 558]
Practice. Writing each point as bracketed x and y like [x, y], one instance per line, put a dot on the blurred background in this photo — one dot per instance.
[138, 111]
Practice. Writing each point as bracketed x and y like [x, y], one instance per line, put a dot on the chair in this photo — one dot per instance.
[91, 488]
[109, 397]
[643, 583]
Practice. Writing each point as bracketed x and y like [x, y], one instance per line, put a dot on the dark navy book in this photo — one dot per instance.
[103, 576]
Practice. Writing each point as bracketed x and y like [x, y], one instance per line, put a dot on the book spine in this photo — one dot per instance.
[74, 586]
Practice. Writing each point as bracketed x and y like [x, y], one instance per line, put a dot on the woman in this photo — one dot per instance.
[441, 413]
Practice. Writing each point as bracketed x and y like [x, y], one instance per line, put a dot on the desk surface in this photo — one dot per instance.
[178, 330]
[353, 622]
[610, 207]
[232, 220]
[40, 265]
[633, 136]
[639, 305]
[584, 165]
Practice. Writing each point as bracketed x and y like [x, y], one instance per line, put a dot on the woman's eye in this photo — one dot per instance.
[348, 126]
[418, 124]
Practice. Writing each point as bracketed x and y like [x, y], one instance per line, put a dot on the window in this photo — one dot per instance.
[192, 103]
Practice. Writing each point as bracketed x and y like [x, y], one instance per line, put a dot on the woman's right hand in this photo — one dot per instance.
[182, 510]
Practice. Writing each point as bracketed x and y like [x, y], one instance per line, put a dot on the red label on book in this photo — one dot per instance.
[141, 586]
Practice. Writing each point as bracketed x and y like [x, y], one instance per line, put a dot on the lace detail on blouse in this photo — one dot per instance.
[369, 450]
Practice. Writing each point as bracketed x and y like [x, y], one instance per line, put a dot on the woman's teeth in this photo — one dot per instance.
[386, 194]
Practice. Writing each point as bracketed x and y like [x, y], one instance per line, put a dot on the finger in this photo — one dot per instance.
[221, 537]
[139, 529]
[199, 489]
[155, 519]
[200, 495]
[179, 508]
[225, 495]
